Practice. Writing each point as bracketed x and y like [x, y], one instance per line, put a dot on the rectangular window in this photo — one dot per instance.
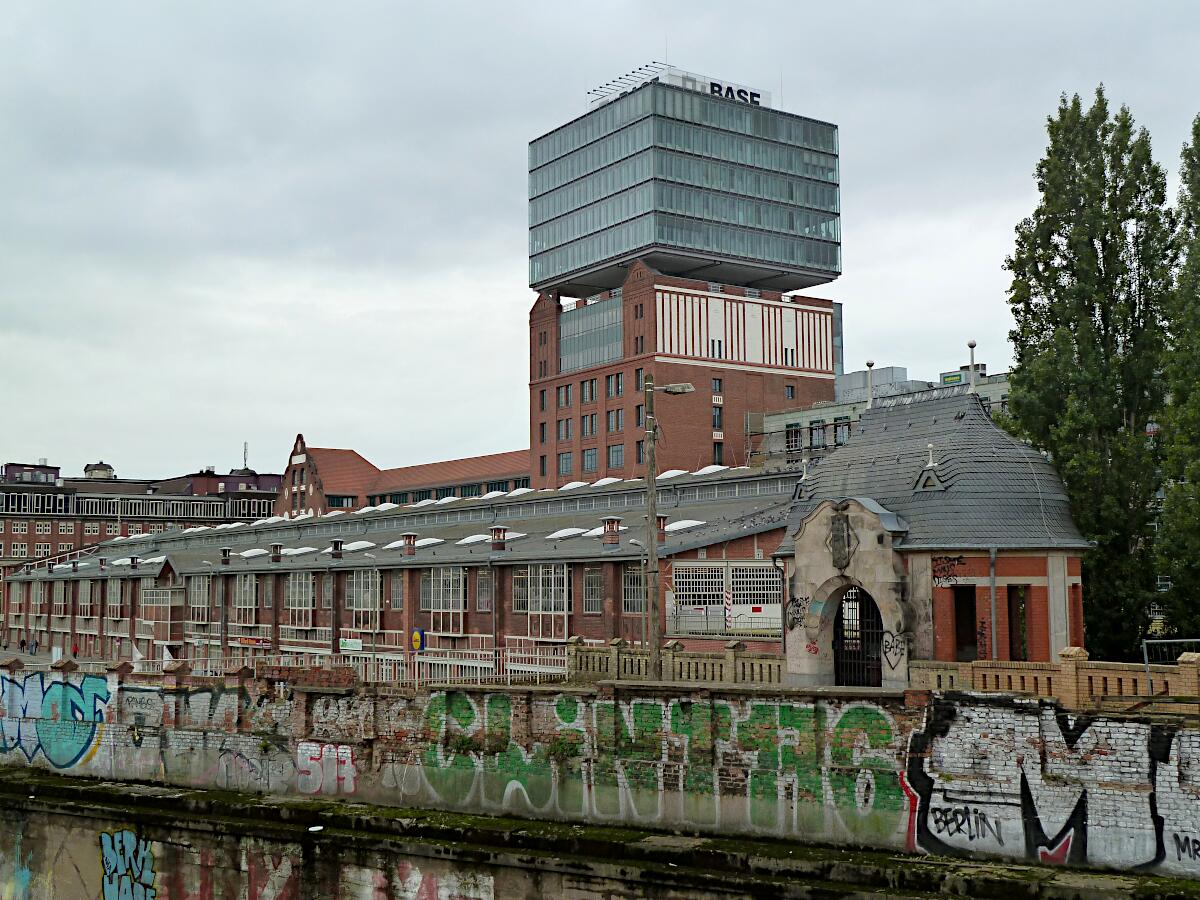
[542, 400]
[614, 385]
[564, 429]
[483, 590]
[639, 380]
[20, 528]
[245, 600]
[591, 459]
[43, 527]
[716, 348]
[699, 585]
[564, 395]
[641, 453]
[789, 392]
[966, 639]
[114, 608]
[756, 585]
[397, 591]
[718, 453]
[64, 548]
[113, 528]
[587, 391]
[542, 466]
[841, 430]
[587, 424]
[542, 588]
[816, 434]
[1018, 641]
[616, 420]
[20, 551]
[362, 599]
[716, 385]
[593, 590]
[91, 528]
[541, 432]
[444, 589]
[633, 589]
[83, 601]
[298, 599]
[41, 549]
[616, 456]
[566, 464]
[59, 599]
[135, 529]
[327, 590]
[718, 418]
[66, 527]
[639, 412]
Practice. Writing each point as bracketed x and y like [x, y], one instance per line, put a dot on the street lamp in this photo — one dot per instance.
[652, 518]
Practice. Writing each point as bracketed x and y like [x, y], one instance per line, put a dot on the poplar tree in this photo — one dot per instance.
[1091, 273]
[1179, 530]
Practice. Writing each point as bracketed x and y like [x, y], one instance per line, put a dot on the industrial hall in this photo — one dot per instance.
[930, 534]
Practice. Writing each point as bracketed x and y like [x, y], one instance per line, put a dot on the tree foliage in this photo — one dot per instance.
[1179, 533]
[1092, 271]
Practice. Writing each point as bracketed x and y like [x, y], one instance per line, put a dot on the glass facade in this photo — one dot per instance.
[664, 168]
[590, 335]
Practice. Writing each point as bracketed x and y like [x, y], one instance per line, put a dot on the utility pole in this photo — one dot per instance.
[652, 531]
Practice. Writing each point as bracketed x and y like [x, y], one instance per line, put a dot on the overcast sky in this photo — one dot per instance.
[225, 222]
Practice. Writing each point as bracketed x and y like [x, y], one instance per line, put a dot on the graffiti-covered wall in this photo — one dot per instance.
[952, 775]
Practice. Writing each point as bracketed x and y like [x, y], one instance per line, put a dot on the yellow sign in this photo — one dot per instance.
[418, 639]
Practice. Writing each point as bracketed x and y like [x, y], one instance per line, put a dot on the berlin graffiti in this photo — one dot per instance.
[128, 866]
[797, 609]
[894, 648]
[57, 720]
[963, 775]
[945, 569]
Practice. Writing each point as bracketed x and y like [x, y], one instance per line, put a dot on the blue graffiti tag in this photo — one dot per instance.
[128, 866]
[56, 718]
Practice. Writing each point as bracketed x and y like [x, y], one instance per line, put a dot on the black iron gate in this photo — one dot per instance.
[858, 641]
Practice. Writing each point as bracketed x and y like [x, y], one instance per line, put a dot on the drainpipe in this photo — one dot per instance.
[992, 579]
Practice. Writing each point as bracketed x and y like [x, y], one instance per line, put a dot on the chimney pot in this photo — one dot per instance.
[499, 536]
[74, 565]
[103, 561]
[612, 530]
[336, 548]
[410, 543]
[225, 551]
[276, 553]
[133, 563]
[662, 528]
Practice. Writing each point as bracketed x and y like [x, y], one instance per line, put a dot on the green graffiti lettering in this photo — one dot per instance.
[863, 775]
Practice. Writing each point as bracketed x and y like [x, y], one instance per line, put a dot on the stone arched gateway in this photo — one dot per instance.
[845, 548]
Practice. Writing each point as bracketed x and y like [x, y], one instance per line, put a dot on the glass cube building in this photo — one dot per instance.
[694, 184]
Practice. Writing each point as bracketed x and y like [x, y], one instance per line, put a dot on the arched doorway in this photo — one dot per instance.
[858, 640]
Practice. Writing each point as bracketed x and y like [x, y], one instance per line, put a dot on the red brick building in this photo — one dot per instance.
[320, 479]
[745, 351]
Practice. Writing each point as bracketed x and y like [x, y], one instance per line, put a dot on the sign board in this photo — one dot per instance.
[349, 644]
[689, 81]
[417, 640]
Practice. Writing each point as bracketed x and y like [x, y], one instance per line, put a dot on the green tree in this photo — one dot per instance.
[1179, 531]
[1092, 270]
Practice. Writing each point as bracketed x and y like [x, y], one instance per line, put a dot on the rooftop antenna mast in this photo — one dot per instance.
[245, 454]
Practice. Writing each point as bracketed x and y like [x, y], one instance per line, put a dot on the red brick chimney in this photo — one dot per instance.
[499, 536]
[225, 551]
[612, 530]
[662, 528]
[410, 543]
[335, 548]
[276, 553]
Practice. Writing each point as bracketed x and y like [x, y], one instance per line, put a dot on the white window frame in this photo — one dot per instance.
[483, 590]
[299, 599]
[199, 596]
[362, 598]
[245, 599]
[633, 589]
[593, 590]
[83, 601]
[66, 527]
[91, 528]
[444, 589]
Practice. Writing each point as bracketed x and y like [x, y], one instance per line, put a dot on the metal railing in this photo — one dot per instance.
[710, 621]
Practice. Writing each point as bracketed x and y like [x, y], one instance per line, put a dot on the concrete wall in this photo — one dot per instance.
[956, 775]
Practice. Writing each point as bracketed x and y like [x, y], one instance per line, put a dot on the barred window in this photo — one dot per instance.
[298, 599]
[245, 599]
[362, 598]
[633, 589]
[198, 598]
[699, 585]
[397, 590]
[757, 585]
[483, 590]
[593, 587]
[542, 588]
[444, 589]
